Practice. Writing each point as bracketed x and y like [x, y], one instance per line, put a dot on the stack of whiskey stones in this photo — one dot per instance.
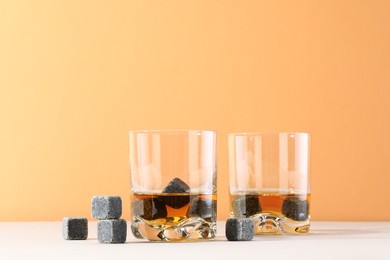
[110, 228]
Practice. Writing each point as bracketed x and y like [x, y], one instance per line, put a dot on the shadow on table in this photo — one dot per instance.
[337, 232]
[313, 234]
[320, 234]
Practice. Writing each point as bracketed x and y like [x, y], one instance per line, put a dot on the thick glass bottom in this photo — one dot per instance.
[173, 229]
[269, 223]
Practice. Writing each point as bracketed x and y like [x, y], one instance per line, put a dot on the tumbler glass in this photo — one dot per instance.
[269, 181]
[173, 185]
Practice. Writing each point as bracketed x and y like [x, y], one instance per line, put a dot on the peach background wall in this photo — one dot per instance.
[75, 76]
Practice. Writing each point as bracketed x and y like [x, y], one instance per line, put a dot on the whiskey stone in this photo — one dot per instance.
[176, 186]
[175, 201]
[149, 208]
[106, 207]
[296, 209]
[111, 231]
[203, 208]
[246, 206]
[239, 229]
[75, 228]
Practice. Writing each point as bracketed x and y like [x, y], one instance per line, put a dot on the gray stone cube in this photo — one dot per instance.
[149, 208]
[106, 207]
[75, 228]
[203, 208]
[176, 186]
[246, 205]
[112, 231]
[296, 209]
[239, 229]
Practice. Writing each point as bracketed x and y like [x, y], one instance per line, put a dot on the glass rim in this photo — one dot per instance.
[265, 133]
[171, 131]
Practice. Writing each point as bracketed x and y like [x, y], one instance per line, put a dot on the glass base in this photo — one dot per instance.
[194, 228]
[267, 223]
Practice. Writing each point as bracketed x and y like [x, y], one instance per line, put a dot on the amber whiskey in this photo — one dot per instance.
[173, 216]
[273, 212]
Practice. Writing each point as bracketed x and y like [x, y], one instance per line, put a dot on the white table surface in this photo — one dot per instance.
[327, 240]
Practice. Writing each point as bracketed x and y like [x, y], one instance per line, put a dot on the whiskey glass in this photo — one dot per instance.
[173, 184]
[269, 180]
